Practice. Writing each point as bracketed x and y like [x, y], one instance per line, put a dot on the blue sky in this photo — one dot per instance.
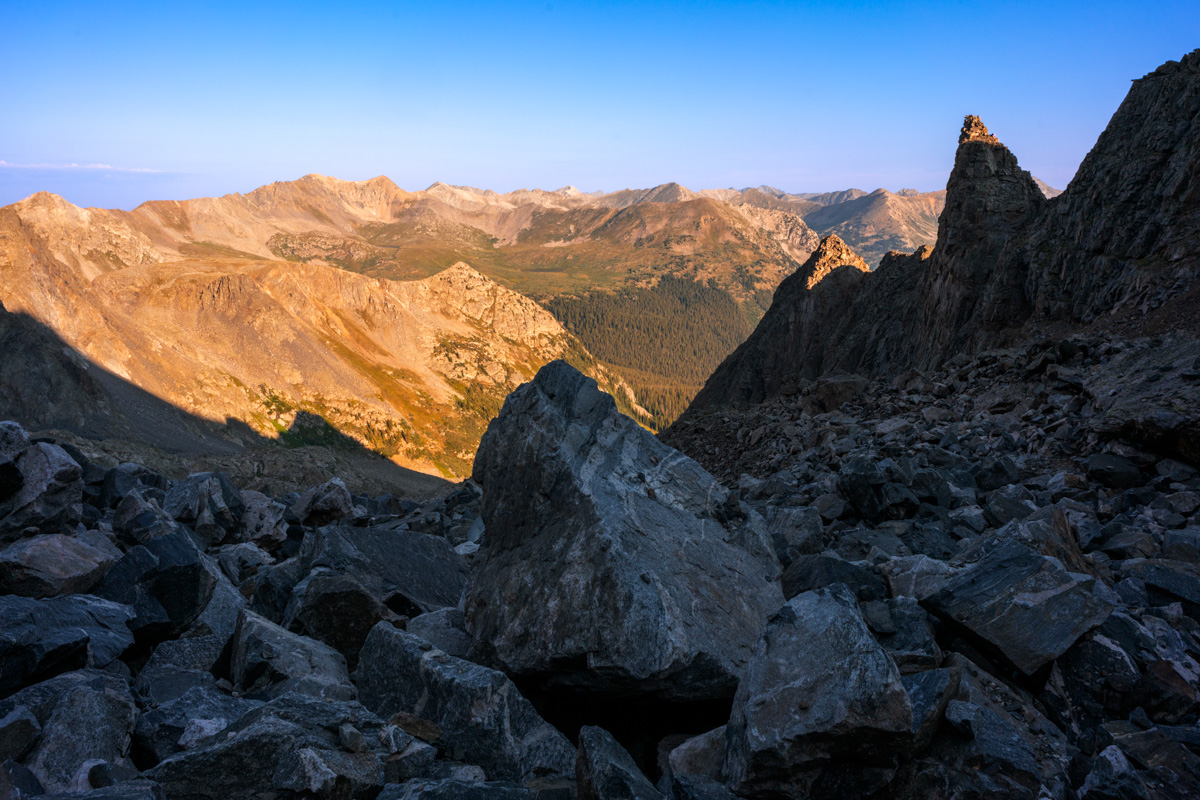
[169, 101]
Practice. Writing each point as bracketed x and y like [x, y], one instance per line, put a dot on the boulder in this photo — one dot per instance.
[409, 572]
[165, 581]
[125, 478]
[700, 755]
[905, 630]
[611, 561]
[321, 505]
[1115, 472]
[334, 609]
[208, 503]
[866, 487]
[481, 716]
[51, 494]
[1025, 605]
[125, 790]
[267, 661]
[139, 516]
[13, 439]
[18, 783]
[41, 638]
[292, 747]
[454, 789]
[263, 520]
[19, 729]
[814, 572]
[51, 564]
[181, 722]
[605, 771]
[818, 687]
[88, 724]
[445, 629]
[201, 646]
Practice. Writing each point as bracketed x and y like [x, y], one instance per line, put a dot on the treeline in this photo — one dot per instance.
[667, 339]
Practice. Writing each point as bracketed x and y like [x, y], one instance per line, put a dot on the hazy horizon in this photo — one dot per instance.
[112, 106]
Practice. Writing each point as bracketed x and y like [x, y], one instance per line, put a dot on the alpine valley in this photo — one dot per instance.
[920, 518]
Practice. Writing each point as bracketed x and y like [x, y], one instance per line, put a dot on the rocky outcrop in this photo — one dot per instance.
[787, 342]
[1116, 250]
[610, 562]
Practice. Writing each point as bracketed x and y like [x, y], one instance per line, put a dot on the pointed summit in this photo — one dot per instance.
[973, 130]
[829, 255]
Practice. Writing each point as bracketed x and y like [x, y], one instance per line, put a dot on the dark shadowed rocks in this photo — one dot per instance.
[51, 494]
[208, 503]
[51, 564]
[480, 716]
[267, 661]
[409, 572]
[455, 789]
[611, 561]
[605, 771]
[1024, 604]
[41, 638]
[818, 688]
[165, 581]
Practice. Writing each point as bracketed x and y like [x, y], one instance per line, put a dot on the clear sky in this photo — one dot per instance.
[111, 104]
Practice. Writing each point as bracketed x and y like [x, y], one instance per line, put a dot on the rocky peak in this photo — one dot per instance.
[829, 255]
[973, 130]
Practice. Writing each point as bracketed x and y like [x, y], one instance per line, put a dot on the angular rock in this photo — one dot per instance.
[611, 561]
[267, 661]
[126, 790]
[18, 783]
[482, 717]
[41, 638]
[814, 572]
[19, 729]
[51, 494]
[454, 789]
[201, 646]
[819, 686]
[321, 505]
[288, 748]
[125, 478]
[1113, 471]
[605, 771]
[263, 520]
[905, 631]
[334, 609]
[208, 503]
[13, 439]
[794, 531]
[702, 755]
[1024, 604]
[51, 564]
[165, 581]
[866, 487]
[445, 629]
[88, 724]
[139, 516]
[180, 723]
[409, 572]
[930, 692]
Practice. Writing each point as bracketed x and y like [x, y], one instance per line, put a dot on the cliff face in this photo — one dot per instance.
[1121, 242]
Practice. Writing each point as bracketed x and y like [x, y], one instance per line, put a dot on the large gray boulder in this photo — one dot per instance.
[41, 638]
[1026, 605]
[90, 723]
[51, 495]
[51, 564]
[482, 717]
[167, 583]
[818, 688]
[410, 572]
[611, 561]
[267, 661]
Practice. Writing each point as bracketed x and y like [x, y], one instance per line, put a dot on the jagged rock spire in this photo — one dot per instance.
[973, 130]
